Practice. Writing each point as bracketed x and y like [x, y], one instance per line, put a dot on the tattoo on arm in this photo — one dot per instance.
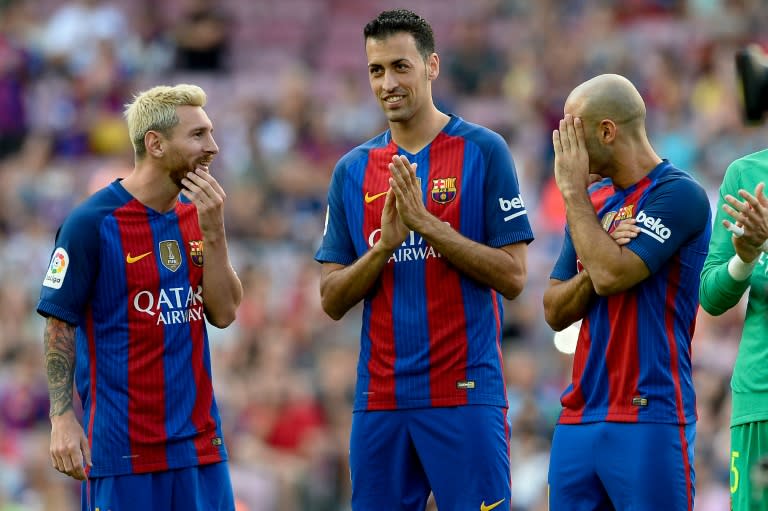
[59, 364]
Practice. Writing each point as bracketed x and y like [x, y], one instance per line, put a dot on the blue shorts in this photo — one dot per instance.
[203, 488]
[607, 466]
[461, 454]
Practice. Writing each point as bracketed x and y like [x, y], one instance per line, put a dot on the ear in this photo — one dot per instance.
[607, 131]
[154, 144]
[433, 66]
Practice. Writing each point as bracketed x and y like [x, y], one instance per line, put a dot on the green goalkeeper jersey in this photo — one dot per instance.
[719, 292]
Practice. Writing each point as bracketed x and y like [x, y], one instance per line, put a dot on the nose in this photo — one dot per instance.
[390, 81]
[212, 147]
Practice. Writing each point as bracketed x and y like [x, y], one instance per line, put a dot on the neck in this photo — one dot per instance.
[151, 187]
[637, 163]
[419, 131]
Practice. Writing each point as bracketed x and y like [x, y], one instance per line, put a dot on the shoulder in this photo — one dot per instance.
[677, 191]
[480, 135]
[680, 181]
[360, 154]
[751, 167]
[89, 214]
[759, 158]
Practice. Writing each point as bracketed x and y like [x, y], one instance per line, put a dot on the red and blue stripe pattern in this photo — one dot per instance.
[633, 358]
[430, 336]
[143, 363]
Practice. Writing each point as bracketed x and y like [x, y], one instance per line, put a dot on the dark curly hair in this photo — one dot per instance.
[402, 20]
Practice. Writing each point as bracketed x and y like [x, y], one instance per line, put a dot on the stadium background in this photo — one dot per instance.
[288, 95]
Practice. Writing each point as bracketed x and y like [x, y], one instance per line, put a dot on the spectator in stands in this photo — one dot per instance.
[202, 37]
[70, 40]
[15, 70]
[474, 65]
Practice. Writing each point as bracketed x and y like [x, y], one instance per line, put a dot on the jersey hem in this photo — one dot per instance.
[625, 418]
[748, 407]
[429, 403]
[158, 466]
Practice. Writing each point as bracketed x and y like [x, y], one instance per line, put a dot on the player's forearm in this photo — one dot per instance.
[59, 351]
[222, 289]
[566, 302]
[605, 260]
[718, 291]
[493, 267]
[342, 287]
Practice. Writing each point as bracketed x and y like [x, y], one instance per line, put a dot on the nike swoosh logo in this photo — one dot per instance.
[483, 507]
[131, 260]
[371, 198]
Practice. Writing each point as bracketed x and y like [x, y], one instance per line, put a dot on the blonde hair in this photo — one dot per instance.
[155, 110]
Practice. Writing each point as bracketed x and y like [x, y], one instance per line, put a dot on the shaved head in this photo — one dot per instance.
[612, 114]
[607, 96]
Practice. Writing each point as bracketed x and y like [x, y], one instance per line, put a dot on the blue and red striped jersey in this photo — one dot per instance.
[633, 356]
[130, 279]
[430, 335]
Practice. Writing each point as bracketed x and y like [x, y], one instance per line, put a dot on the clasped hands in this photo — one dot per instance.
[404, 209]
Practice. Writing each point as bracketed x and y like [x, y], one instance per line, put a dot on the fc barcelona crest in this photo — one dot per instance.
[608, 220]
[612, 219]
[196, 252]
[444, 189]
[170, 255]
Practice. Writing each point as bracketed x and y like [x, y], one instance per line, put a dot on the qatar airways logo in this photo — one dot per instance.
[172, 306]
[414, 248]
[653, 227]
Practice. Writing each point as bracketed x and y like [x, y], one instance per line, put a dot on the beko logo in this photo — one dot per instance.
[516, 203]
[653, 227]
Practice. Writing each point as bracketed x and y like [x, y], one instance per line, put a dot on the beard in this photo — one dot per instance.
[600, 159]
[178, 168]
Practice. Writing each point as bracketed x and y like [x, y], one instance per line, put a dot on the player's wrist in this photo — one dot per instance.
[572, 191]
[384, 248]
[425, 223]
[739, 269]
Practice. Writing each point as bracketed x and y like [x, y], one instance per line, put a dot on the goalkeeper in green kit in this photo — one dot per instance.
[736, 262]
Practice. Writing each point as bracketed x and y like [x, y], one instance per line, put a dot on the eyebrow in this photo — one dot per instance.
[201, 127]
[392, 63]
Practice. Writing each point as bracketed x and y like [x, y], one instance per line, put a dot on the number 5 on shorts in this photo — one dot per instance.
[734, 471]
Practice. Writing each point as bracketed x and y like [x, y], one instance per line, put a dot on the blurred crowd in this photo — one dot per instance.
[288, 95]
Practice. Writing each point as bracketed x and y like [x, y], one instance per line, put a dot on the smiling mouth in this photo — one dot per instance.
[393, 99]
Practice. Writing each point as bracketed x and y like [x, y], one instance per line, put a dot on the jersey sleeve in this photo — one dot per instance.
[505, 212]
[566, 266]
[673, 212]
[73, 268]
[718, 291]
[337, 245]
